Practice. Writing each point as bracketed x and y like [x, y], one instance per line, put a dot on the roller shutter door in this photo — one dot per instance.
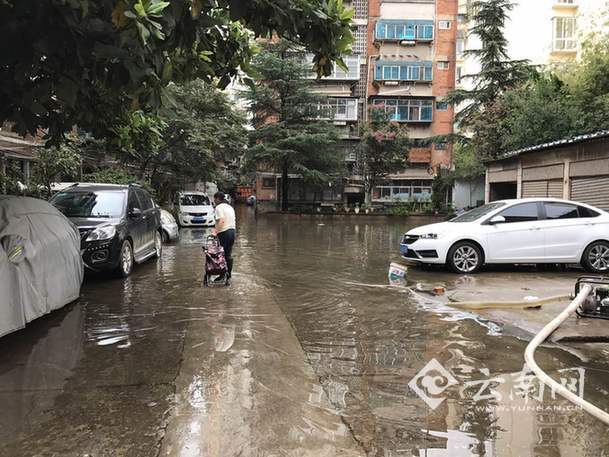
[593, 191]
[549, 188]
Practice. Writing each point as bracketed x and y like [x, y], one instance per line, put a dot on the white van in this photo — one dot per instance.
[194, 209]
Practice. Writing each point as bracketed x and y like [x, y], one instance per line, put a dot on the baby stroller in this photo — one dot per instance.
[215, 262]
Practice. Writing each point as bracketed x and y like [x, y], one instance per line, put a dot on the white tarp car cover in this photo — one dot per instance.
[40, 264]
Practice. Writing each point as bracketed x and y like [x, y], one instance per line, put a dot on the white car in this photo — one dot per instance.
[530, 230]
[194, 209]
[169, 227]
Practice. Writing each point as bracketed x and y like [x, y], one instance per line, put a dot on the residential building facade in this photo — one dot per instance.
[411, 69]
[403, 62]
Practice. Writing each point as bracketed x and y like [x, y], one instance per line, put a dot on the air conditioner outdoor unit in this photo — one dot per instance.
[390, 83]
[408, 43]
[340, 123]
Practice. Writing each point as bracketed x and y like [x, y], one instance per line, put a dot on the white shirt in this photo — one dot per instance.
[227, 213]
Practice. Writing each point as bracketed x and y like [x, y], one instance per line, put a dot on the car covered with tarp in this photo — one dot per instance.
[41, 268]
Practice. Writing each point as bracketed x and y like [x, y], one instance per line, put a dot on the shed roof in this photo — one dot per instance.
[552, 144]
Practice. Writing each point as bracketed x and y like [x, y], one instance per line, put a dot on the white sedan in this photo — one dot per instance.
[530, 230]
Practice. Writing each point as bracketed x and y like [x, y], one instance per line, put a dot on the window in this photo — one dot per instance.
[587, 212]
[268, 183]
[442, 146]
[421, 30]
[561, 211]
[133, 202]
[391, 72]
[460, 47]
[102, 204]
[406, 110]
[477, 213]
[145, 199]
[564, 34]
[444, 25]
[524, 212]
[441, 106]
[338, 73]
[443, 65]
[194, 200]
[459, 74]
[403, 71]
[339, 109]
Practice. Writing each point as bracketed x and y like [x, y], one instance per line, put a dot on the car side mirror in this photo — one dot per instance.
[135, 213]
[497, 220]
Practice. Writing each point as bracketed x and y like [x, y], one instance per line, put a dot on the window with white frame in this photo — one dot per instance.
[564, 34]
[444, 25]
[443, 65]
[352, 63]
[339, 109]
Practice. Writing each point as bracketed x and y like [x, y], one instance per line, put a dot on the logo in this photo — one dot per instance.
[432, 381]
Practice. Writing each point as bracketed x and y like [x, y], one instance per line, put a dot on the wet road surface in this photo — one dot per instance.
[308, 353]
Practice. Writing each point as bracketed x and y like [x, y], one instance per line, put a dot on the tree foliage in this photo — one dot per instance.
[497, 73]
[202, 129]
[52, 165]
[84, 62]
[383, 150]
[289, 136]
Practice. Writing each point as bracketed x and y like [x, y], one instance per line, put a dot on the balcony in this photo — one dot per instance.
[406, 109]
[408, 31]
[339, 109]
[338, 74]
[408, 71]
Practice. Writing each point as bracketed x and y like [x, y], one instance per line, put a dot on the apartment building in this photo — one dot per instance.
[542, 31]
[411, 69]
[403, 61]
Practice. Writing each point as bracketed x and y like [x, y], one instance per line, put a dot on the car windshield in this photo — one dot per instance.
[90, 203]
[477, 213]
[194, 200]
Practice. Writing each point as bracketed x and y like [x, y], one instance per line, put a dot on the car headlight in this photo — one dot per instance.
[102, 233]
[429, 236]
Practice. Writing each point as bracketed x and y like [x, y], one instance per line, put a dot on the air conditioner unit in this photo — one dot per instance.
[390, 83]
[408, 43]
[340, 123]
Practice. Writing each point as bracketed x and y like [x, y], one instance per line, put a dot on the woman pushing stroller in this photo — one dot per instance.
[225, 231]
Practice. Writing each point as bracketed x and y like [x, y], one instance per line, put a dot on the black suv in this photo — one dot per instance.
[118, 225]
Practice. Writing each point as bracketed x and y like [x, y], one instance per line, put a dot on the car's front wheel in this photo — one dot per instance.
[596, 257]
[125, 262]
[465, 257]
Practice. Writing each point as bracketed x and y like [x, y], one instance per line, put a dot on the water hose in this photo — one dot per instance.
[534, 303]
[529, 357]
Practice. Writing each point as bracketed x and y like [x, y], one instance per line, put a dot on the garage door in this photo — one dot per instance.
[593, 191]
[550, 188]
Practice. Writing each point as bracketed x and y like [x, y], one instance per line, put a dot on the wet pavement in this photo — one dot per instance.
[308, 353]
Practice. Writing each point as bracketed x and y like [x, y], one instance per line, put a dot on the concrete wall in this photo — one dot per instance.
[468, 193]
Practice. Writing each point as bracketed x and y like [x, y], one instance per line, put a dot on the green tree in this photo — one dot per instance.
[497, 74]
[54, 164]
[383, 150]
[203, 129]
[139, 139]
[83, 62]
[289, 136]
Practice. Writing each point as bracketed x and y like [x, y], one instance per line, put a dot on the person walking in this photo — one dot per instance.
[225, 231]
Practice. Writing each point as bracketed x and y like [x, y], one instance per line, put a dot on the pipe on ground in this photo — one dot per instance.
[529, 357]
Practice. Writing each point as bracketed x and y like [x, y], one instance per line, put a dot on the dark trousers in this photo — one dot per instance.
[227, 239]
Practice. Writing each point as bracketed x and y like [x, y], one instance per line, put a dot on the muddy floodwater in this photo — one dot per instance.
[308, 353]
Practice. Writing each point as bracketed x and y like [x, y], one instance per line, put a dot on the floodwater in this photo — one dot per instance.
[308, 353]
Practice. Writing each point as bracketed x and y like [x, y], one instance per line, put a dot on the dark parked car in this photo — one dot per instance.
[119, 225]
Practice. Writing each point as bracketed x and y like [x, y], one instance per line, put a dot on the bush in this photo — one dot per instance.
[115, 176]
